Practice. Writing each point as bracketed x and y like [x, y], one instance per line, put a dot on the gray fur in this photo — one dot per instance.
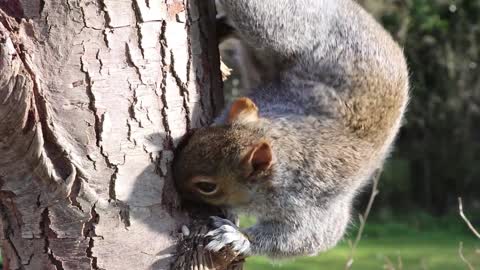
[331, 114]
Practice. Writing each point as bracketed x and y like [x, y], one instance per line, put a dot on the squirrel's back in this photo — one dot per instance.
[341, 101]
[361, 85]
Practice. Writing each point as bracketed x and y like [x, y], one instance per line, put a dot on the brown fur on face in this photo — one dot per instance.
[229, 157]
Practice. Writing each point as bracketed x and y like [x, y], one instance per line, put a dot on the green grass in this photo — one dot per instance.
[420, 243]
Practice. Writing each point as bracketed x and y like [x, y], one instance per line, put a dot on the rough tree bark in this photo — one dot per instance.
[94, 95]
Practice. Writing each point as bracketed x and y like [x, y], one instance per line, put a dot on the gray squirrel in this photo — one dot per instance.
[297, 150]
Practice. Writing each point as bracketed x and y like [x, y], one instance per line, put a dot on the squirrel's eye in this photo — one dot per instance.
[206, 188]
[204, 185]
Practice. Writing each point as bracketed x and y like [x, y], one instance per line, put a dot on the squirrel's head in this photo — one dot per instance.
[224, 165]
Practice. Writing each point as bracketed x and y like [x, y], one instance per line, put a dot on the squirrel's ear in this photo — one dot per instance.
[242, 110]
[260, 157]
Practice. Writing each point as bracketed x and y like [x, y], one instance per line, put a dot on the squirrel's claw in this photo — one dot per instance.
[227, 233]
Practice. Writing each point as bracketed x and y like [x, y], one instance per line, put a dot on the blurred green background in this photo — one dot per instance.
[437, 155]
[402, 242]
[414, 223]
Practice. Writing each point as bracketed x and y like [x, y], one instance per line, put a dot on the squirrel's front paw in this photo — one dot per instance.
[227, 233]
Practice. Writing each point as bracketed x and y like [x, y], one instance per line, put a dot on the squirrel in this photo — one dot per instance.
[296, 150]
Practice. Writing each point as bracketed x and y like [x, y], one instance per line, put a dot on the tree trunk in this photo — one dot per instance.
[94, 96]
